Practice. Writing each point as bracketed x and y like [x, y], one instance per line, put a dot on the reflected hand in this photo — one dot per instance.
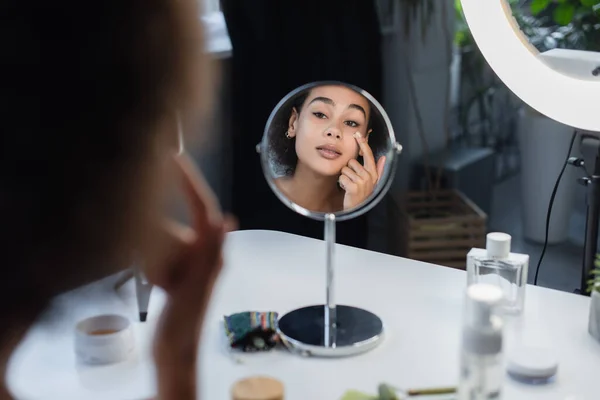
[187, 274]
[359, 181]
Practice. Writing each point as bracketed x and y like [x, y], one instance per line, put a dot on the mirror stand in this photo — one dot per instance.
[330, 330]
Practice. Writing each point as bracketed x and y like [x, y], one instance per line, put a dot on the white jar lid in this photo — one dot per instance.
[498, 244]
[531, 363]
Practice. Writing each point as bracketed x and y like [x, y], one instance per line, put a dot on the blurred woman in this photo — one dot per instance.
[89, 103]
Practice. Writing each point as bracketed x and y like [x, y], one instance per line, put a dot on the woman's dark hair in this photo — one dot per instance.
[282, 150]
[82, 91]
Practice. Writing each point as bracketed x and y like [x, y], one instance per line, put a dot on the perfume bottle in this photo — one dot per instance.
[481, 370]
[496, 265]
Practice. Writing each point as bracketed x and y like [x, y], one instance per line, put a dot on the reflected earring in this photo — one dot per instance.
[287, 135]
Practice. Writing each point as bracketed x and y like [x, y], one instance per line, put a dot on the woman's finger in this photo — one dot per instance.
[203, 203]
[354, 177]
[367, 154]
[172, 243]
[198, 264]
[359, 169]
[230, 223]
[380, 166]
[348, 185]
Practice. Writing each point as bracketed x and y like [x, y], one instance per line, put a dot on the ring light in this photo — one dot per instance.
[558, 83]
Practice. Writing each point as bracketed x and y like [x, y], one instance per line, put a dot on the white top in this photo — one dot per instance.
[498, 245]
[482, 298]
[216, 40]
[420, 304]
[482, 331]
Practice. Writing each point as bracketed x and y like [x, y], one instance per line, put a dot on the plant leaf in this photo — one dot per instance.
[458, 5]
[563, 14]
[537, 6]
[356, 395]
[460, 38]
[589, 3]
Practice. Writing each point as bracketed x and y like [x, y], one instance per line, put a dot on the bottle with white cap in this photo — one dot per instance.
[481, 372]
[496, 265]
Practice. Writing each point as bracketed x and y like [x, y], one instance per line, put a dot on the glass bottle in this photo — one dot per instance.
[496, 265]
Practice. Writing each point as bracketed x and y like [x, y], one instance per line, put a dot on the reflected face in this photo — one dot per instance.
[324, 128]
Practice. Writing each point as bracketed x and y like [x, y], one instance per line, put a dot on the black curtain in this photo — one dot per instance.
[279, 45]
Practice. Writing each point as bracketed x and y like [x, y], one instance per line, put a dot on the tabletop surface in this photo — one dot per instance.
[420, 304]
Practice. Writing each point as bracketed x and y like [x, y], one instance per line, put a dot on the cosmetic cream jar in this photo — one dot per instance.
[103, 339]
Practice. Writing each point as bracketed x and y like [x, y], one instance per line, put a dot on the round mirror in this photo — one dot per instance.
[329, 148]
[329, 153]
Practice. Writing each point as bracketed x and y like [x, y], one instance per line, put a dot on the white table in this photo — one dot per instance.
[421, 305]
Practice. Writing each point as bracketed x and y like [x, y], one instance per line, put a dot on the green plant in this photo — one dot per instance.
[481, 86]
[573, 24]
[462, 35]
[594, 283]
[565, 12]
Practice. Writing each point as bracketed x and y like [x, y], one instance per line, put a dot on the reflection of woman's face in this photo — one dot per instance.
[325, 126]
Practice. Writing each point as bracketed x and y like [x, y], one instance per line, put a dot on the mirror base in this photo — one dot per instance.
[357, 331]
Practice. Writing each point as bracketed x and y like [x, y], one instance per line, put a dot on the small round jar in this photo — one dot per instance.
[103, 339]
[531, 365]
[258, 388]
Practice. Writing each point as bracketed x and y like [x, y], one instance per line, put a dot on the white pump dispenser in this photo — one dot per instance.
[481, 358]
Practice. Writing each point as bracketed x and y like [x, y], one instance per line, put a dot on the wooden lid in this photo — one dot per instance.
[257, 388]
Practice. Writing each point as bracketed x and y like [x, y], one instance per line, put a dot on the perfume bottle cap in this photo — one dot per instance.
[498, 245]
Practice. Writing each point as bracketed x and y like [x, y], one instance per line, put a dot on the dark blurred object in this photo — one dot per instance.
[278, 46]
[468, 170]
[252, 331]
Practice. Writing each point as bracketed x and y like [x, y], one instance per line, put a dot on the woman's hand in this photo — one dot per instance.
[187, 274]
[358, 181]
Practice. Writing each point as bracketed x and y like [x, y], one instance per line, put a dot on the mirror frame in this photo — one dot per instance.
[373, 199]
